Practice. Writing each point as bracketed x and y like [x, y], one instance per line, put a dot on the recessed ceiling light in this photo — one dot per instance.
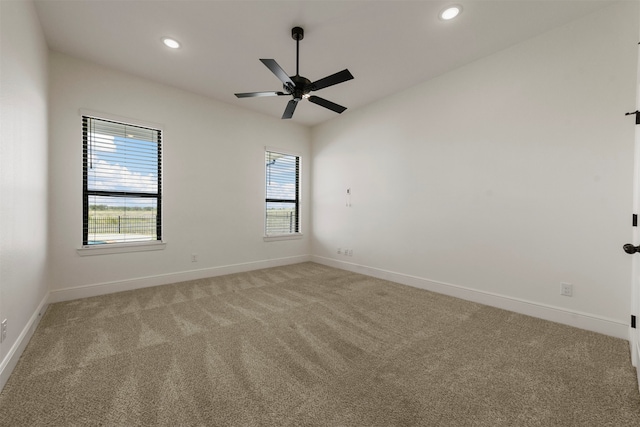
[173, 44]
[450, 12]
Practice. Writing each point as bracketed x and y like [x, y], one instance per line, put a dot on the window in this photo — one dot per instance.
[283, 194]
[122, 198]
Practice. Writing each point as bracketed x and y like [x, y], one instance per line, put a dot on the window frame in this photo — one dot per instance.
[297, 234]
[118, 247]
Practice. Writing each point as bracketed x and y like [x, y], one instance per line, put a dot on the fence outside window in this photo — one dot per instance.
[123, 224]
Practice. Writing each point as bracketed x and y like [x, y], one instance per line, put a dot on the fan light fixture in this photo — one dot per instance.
[450, 12]
[173, 44]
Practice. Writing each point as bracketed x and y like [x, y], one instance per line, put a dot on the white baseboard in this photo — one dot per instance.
[576, 319]
[11, 359]
[96, 289]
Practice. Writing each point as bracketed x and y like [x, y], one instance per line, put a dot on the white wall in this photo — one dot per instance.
[213, 182]
[497, 181]
[23, 176]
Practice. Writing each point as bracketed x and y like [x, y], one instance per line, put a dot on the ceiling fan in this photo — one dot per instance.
[298, 86]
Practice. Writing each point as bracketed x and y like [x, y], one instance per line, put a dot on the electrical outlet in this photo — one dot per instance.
[350, 252]
[566, 289]
[194, 257]
[3, 330]
[339, 251]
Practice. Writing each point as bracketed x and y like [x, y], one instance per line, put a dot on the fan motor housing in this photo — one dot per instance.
[302, 86]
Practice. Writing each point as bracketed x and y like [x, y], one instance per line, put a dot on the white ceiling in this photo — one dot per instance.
[388, 46]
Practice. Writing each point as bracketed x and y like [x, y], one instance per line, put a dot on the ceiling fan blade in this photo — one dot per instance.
[333, 79]
[278, 71]
[256, 94]
[327, 104]
[291, 107]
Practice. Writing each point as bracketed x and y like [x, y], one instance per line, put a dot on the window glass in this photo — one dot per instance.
[121, 182]
[282, 194]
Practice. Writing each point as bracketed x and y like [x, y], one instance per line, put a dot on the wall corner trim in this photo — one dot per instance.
[11, 359]
[576, 319]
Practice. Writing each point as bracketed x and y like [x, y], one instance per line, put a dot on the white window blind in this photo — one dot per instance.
[283, 194]
[122, 166]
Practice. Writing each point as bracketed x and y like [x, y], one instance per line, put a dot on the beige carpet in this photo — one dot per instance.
[308, 345]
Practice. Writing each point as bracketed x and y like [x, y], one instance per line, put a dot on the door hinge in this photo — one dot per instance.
[634, 221]
[633, 321]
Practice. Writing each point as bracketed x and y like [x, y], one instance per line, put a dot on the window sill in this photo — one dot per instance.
[120, 248]
[296, 236]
